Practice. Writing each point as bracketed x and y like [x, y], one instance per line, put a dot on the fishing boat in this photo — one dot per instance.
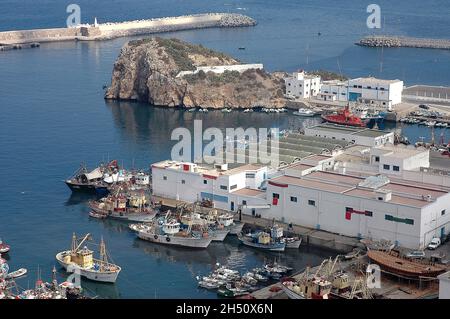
[4, 248]
[204, 110]
[261, 240]
[226, 110]
[228, 222]
[344, 117]
[248, 110]
[393, 262]
[127, 206]
[307, 287]
[304, 112]
[168, 231]
[192, 109]
[87, 181]
[81, 260]
[292, 242]
[17, 273]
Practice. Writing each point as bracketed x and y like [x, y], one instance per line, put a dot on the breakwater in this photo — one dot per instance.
[105, 31]
[407, 42]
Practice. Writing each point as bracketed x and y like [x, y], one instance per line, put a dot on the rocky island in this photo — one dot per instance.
[171, 72]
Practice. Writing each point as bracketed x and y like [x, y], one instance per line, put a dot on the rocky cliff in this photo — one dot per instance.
[146, 70]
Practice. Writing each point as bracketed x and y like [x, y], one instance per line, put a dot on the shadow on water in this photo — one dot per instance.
[79, 198]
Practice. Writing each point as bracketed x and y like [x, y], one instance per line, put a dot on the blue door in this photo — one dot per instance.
[352, 96]
[442, 232]
[232, 206]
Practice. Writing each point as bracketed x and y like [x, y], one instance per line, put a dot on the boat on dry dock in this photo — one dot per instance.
[393, 262]
[167, 231]
[81, 259]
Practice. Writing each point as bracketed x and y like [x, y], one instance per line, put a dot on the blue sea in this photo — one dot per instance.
[53, 117]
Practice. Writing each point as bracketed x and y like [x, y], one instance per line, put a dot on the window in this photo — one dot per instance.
[275, 195]
[233, 187]
[312, 202]
[377, 158]
[294, 199]
[396, 168]
[355, 86]
[443, 212]
[369, 213]
[386, 167]
[224, 187]
[244, 202]
[250, 175]
[369, 87]
[381, 89]
[407, 221]
[205, 181]
[183, 181]
[165, 178]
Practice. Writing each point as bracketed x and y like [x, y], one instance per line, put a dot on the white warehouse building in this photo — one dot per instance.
[302, 85]
[372, 91]
[356, 135]
[408, 214]
[228, 189]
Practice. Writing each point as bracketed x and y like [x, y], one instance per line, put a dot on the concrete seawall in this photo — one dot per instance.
[107, 31]
[407, 42]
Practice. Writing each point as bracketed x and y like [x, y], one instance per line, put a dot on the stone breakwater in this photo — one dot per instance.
[105, 31]
[407, 42]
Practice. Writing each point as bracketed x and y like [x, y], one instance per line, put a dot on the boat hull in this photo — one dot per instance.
[236, 229]
[291, 294]
[219, 235]
[83, 188]
[107, 277]
[404, 267]
[175, 240]
[128, 217]
[294, 245]
[271, 247]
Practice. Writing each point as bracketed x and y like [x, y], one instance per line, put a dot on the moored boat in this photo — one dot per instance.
[17, 273]
[344, 117]
[4, 248]
[87, 181]
[261, 240]
[304, 112]
[168, 231]
[81, 260]
[308, 287]
[127, 206]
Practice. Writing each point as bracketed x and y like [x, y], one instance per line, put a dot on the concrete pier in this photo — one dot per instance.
[407, 42]
[105, 31]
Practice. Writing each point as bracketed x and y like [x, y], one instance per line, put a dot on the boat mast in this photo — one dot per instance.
[103, 256]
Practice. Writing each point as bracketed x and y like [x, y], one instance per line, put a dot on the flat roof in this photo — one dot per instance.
[289, 180]
[251, 192]
[175, 165]
[400, 151]
[403, 193]
[298, 167]
[350, 130]
[373, 80]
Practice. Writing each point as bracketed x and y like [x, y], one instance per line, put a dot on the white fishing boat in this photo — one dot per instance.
[81, 260]
[304, 112]
[248, 110]
[226, 110]
[168, 231]
[17, 273]
[192, 109]
[204, 110]
[4, 248]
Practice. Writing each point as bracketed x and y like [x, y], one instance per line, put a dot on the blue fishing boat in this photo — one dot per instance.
[262, 240]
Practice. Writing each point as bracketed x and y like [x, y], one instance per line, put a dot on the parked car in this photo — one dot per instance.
[424, 106]
[434, 243]
[416, 254]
